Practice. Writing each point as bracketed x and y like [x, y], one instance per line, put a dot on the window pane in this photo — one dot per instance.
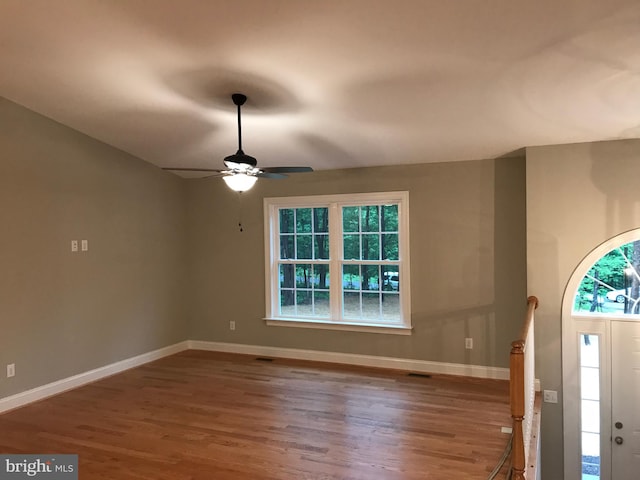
[370, 306]
[321, 303]
[321, 220]
[286, 220]
[303, 302]
[590, 383]
[590, 351]
[321, 247]
[350, 219]
[287, 302]
[287, 275]
[371, 246]
[590, 467]
[303, 275]
[287, 247]
[390, 246]
[322, 272]
[369, 218]
[303, 220]
[590, 416]
[352, 247]
[370, 276]
[390, 307]
[390, 278]
[351, 277]
[303, 247]
[389, 219]
[351, 305]
[590, 445]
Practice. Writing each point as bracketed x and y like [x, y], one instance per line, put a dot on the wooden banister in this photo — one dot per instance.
[532, 304]
[522, 390]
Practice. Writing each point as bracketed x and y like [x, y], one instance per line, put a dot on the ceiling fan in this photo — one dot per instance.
[242, 171]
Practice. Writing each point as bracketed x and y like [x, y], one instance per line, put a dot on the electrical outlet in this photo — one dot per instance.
[468, 343]
[232, 324]
[74, 245]
[11, 370]
[550, 396]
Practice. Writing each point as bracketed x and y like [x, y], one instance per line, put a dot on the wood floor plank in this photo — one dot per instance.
[203, 415]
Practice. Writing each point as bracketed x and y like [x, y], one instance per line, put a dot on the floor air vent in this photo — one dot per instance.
[264, 359]
[421, 375]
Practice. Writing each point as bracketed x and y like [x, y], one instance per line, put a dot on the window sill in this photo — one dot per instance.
[327, 325]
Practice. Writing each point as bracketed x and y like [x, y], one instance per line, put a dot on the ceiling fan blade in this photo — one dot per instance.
[287, 169]
[212, 172]
[270, 175]
[181, 169]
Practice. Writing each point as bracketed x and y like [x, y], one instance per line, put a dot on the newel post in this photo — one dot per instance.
[516, 362]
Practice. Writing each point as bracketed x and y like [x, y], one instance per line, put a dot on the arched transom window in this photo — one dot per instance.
[612, 284]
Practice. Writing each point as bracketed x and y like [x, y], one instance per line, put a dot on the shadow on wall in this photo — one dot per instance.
[614, 171]
[443, 334]
[510, 253]
[487, 300]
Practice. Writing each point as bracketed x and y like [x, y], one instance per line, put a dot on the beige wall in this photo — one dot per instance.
[63, 313]
[467, 260]
[578, 196]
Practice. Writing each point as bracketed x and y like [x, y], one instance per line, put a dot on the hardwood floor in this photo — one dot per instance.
[201, 415]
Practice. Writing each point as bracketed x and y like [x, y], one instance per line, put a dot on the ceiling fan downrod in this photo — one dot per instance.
[239, 99]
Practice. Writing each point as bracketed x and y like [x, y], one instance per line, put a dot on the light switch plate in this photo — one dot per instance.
[550, 396]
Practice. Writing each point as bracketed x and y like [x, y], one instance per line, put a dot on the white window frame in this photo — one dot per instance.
[335, 203]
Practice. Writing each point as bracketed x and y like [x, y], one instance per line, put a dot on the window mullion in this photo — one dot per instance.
[307, 261]
[335, 266]
[371, 262]
[295, 233]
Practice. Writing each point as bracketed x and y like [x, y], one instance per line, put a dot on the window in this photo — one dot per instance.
[338, 261]
[612, 284]
[590, 405]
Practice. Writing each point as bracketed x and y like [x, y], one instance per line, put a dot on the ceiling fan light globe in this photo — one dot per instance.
[240, 182]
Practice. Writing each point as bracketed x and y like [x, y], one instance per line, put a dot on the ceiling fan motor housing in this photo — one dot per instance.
[240, 158]
[238, 99]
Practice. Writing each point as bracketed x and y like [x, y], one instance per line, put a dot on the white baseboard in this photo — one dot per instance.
[418, 366]
[405, 364]
[44, 391]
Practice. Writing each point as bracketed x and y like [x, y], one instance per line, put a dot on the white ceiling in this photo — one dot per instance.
[331, 83]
